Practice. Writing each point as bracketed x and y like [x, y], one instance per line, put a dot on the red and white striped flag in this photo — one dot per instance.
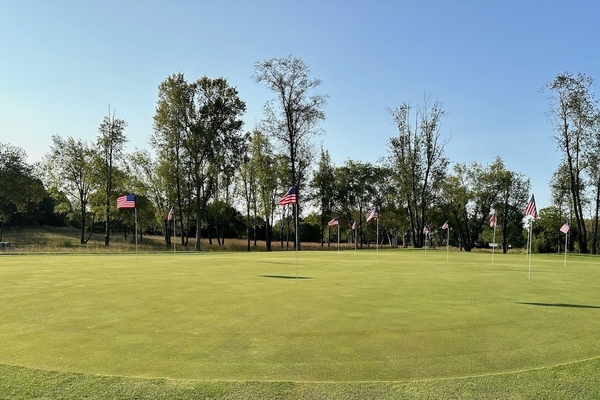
[493, 220]
[373, 214]
[289, 197]
[565, 228]
[171, 214]
[127, 201]
[530, 208]
[445, 226]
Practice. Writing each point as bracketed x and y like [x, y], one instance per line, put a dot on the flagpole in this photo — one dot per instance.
[447, 243]
[377, 238]
[527, 248]
[338, 240]
[136, 227]
[297, 240]
[174, 235]
[566, 243]
[494, 243]
[530, 237]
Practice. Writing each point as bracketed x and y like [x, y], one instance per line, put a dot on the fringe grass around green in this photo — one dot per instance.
[349, 324]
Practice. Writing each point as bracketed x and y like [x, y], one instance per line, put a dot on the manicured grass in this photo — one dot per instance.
[393, 323]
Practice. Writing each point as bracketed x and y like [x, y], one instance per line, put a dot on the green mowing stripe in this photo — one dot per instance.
[357, 316]
[570, 381]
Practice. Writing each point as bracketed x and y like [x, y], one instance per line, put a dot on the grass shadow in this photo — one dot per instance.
[285, 277]
[557, 305]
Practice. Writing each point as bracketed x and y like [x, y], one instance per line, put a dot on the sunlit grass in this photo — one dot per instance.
[345, 317]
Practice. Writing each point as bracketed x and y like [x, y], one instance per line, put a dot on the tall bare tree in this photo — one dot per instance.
[572, 111]
[293, 117]
[111, 140]
[418, 161]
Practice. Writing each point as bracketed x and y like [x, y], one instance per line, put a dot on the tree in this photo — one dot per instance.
[470, 194]
[196, 124]
[323, 183]
[547, 237]
[214, 135]
[69, 167]
[148, 181]
[592, 156]
[418, 161]
[111, 140]
[20, 191]
[510, 205]
[293, 118]
[247, 176]
[572, 111]
[171, 122]
[357, 182]
[266, 167]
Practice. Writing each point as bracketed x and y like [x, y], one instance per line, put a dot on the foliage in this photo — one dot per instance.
[69, 169]
[111, 141]
[573, 112]
[197, 129]
[417, 159]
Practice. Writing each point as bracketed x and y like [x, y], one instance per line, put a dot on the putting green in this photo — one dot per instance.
[347, 316]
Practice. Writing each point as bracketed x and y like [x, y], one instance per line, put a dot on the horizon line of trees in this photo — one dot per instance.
[224, 182]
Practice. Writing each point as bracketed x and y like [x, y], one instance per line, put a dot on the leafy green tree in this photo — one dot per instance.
[323, 183]
[547, 237]
[572, 111]
[294, 116]
[69, 168]
[267, 173]
[510, 204]
[418, 161]
[472, 191]
[111, 140]
[592, 156]
[356, 192]
[21, 192]
[195, 125]
[247, 176]
[144, 171]
[172, 122]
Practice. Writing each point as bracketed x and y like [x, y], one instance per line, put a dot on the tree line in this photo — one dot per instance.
[224, 182]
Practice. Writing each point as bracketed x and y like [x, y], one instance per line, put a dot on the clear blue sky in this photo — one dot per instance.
[63, 62]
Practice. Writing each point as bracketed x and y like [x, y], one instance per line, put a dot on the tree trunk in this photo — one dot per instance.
[198, 220]
[595, 238]
[83, 205]
[267, 234]
[248, 226]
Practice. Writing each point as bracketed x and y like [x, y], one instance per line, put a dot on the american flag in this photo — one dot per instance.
[493, 220]
[530, 208]
[373, 214]
[354, 225]
[426, 230]
[127, 201]
[171, 214]
[334, 222]
[565, 228]
[289, 197]
[445, 226]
